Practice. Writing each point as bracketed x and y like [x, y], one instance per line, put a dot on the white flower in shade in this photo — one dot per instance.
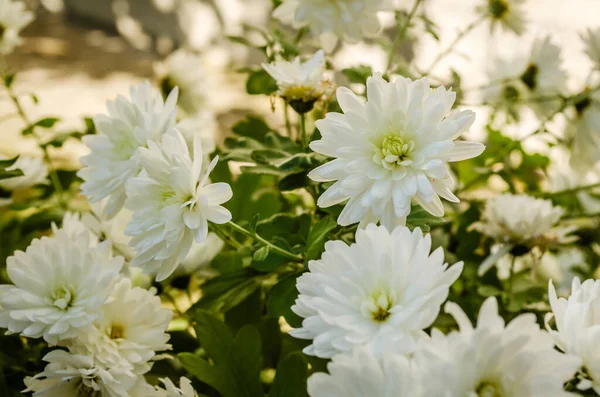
[131, 331]
[69, 375]
[13, 18]
[299, 81]
[204, 125]
[577, 322]
[525, 79]
[185, 389]
[583, 133]
[362, 374]
[127, 127]
[561, 267]
[348, 20]
[60, 285]
[172, 202]
[591, 39]
[380, 292]
[34, 171]
[391, 150]
[519, 219]
[508, 14]
[201, 255]
[185, 70]
[493, 359]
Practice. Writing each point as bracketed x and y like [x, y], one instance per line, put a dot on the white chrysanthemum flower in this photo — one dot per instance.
[131, 331]
[524, 80]
[348, 20]
[521, 220]
[60, 286]
[69, 375]
[508, 14]
[591, 38]
[34, 171]
[577, 321]
[127, 127]
[380, 292]
[493, 359]
[391, 150]
[583, 133]
[172, 203]
[185, 70]
[13, 18]
[362, 374]
[185, 389]
[300, 82]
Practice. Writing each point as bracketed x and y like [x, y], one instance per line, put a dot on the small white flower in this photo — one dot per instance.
[132, 329]
[362, 374]
[185, 70]
[13, 18]
[299, 81]
[60, 286]
[380, 292]
[127, 127]
[591, 38]
[34, 170]
[493, 359]
[508, 14]
[172, 203]
[578, 325]
[528, 80]
[68, 375]
[348, 20]
[390, 150]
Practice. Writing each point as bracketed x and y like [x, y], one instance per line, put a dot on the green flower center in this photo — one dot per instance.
[489, 389]
[510, 93]
[83, 390]
[378, 306]
[530, 76]
[498, 8]
[394, 151]
[62, 297]
[167, 85]
[583, 104]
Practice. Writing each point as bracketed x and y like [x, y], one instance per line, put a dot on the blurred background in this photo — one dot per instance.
[79, 53]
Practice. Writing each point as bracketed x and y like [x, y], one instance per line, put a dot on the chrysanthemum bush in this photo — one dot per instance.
[361, 246]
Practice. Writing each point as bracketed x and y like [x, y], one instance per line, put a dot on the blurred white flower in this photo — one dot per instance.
[172, 202]
[560, 267]
[362, 374]
[60, 286]
[204, 124]
[13, 18]
[127, 127]
[69, 375]
[591, 39]
[380, 292]
[508, 14]
[348, 20]
[390, 150]
[201, 254]
[493, 359]
[34, 170]
[300, 82]
[583, 133]
[132, 329]
[185, 70]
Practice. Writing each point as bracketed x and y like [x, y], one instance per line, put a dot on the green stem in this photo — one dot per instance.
[280, 251]
[461, 35]
[225, 236]
[53, 175]
[401, 35]
[573, 190]
[288, 124]
[303, 137]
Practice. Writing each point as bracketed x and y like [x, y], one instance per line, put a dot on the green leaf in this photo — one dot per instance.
[293, 182]
[358, 74]
[252, 127]
[281, 298]
[47, 122]
[317, 236]
[291, 376]
[226, 291]
[261, 254]
[240, 40]
[9, 79]
[419, 217]
[4, 164]
[6, 174]
[260, 83]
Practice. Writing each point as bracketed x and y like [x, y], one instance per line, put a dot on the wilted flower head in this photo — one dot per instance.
[300, 83]
[380, 292]
[391, 150]
[60, 285]
[577, 321]
[493, 359]
[173, 202]
[362, 374]
[79, 375]
[591, 38]
[34, 171]
[127, 127]
[348, 20]
[13, 18]
[508, 14]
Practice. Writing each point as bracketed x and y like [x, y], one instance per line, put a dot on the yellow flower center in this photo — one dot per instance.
[378, 306]
[394, 151]
[62, 297]
[489, 389]
[117, 331]
[301, 92]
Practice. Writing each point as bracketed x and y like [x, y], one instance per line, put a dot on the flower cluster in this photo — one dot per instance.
[13, 18]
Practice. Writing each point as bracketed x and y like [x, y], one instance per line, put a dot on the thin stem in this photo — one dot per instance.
[572, 190]
[280, 251]
[53, 175]
[461, 35]
[303, 137]
[288, 124]
[225, 236]
[401, 35]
